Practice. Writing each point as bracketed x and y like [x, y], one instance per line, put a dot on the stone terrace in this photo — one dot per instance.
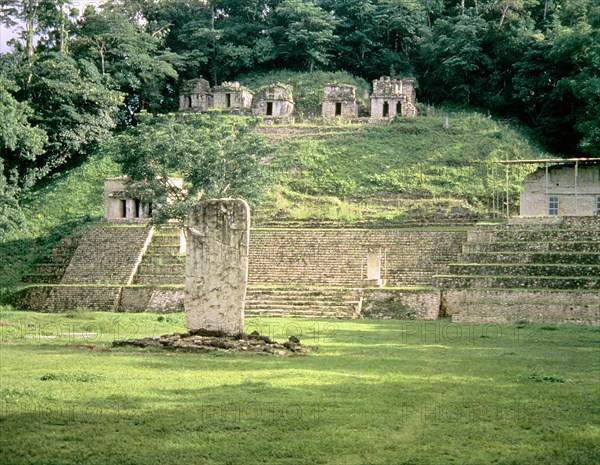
[542, 272]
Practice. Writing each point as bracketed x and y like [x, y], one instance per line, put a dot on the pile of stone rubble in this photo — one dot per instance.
[203, 341]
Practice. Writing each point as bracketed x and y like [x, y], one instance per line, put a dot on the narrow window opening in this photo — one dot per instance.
[228, 100]
[338, 108]
[123, 208]
[269, 108]
[553, 205]
[386, 109]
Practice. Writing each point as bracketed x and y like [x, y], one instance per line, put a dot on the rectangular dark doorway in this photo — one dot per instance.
[338, 109]
[386, 109]
[398, 108]
[123, 208]
[137, 204]
[269, 108]
[228, 100]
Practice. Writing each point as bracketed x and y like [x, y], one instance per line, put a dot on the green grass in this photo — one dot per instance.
[376, 392]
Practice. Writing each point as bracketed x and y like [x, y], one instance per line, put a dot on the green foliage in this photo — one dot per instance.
[214, 154]
[72, 105]
[20, 147]
[109, 36]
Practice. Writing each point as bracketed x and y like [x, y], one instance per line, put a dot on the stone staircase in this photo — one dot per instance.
[304, 302]
[537, 271]
[164, 261]
[52, 267]
[106, 258]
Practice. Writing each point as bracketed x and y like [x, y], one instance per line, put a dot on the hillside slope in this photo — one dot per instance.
[344, 173]
[358, 172]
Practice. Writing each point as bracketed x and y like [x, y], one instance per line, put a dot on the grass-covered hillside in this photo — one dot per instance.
[412, 167]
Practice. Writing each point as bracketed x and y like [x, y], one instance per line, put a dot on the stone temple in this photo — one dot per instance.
[393, 97]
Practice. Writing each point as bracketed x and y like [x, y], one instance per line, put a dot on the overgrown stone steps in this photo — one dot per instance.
[582, 258]
[303, 302]
[541, 246]
[528, 269]
[517, 282]
[52, 267]
[549, 271]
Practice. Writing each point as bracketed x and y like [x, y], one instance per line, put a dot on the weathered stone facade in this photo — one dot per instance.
[339, 100]
[217, 265]
[393, 97]
[195, 95]
[231, 96]
[274, 101]
[562, 191]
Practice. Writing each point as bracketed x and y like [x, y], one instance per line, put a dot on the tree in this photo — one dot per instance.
[304, 34]
[216, 155]
[129, 58]
[72, 106]
[20, 147]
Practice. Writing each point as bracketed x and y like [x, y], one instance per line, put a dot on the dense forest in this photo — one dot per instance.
[74, 78]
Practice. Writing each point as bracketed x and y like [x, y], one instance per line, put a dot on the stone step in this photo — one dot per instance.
[308, 302]
[160, 279]
[582, 258]
[164, 259]
[162, 239]
[160, 270]
[516, 282]
[531, 270]
[161, 250]
[513, 234]
[546, 246]
[42, 278]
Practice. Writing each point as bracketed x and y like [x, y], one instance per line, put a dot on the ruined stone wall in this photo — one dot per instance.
[576, 196]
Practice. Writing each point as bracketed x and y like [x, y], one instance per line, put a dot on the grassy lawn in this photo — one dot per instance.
[376, 392]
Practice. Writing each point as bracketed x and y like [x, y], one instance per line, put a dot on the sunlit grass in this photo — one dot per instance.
[379, 392]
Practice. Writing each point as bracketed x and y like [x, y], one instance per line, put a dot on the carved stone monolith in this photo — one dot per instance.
[216, 269]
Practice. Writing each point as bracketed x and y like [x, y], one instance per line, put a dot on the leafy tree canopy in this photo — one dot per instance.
[215, 155]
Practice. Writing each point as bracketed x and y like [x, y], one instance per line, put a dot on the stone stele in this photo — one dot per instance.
[216, 268]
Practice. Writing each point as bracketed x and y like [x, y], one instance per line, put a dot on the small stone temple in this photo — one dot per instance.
[275, 100]
[121, 206]
[195, 95]
[562, 190]
[339, 100]
[393, 97]
[231, 96]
